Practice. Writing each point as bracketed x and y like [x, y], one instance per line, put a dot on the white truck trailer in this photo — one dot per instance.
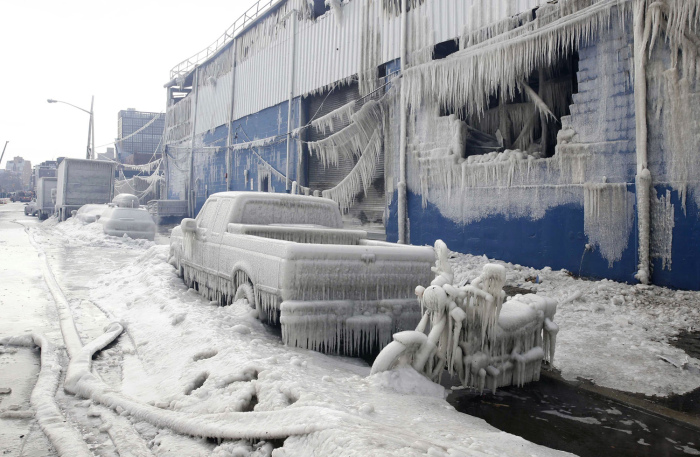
[44, 203]
[81, 182]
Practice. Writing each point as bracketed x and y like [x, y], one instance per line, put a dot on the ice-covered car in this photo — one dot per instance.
[132, 222]
[87, 214]
[30, 209]
[331, 289]
[126, 201]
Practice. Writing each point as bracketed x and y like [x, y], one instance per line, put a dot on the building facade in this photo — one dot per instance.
[557, 134]
[140, 136]
[23, 168]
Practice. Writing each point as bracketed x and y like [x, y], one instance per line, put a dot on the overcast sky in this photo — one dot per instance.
[120, 51]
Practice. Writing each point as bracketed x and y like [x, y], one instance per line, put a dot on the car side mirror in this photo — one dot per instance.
[188, 225]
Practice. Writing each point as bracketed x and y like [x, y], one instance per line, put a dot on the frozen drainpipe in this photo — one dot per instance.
[190, 190]
[292, 49]
[643, 181]
[402, 216]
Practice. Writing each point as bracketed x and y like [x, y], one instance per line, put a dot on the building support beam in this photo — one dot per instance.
[190, 186]
[403, 112]
[292, 52]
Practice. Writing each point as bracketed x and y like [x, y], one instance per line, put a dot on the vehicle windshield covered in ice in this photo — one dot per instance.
[331, 289]
[132, 222]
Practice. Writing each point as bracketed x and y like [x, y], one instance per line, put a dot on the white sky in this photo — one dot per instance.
[120, 51]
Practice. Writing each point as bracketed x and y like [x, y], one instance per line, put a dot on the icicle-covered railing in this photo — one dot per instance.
[328, 122]
[353, 139]
[468, 77]
[360, 177]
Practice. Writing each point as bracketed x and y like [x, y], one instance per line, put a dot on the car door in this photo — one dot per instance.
[205, 223]
[215, 237]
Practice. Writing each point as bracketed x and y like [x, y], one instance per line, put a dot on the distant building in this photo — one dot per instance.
[108, 155]
[23, 168]
[142, 147]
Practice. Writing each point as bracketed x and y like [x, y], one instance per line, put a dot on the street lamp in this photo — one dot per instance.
[90, 153]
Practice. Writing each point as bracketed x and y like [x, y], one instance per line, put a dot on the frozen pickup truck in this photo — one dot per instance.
[331, 289]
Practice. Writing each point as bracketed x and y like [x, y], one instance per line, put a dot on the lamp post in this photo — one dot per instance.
[90, 153]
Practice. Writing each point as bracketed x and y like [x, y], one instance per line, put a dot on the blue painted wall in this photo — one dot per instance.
[557, 240]
[210, 166]
[270, 122]
[684, 271]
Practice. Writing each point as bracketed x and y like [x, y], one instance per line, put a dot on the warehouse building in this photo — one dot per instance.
[545, 133]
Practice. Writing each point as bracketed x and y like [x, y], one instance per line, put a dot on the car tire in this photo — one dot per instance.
[245, 291]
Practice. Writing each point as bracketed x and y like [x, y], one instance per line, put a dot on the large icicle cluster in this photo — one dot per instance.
[497, 65]
[608, 218]
[662, 221]
[679, 23]
[393, 7]
[486, 341]
[353, 139]
[360, 177]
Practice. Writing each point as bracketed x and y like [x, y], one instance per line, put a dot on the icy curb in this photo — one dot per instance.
[70, 333]
[66, 440]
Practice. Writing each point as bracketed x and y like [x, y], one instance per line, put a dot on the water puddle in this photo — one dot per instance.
[559, 416]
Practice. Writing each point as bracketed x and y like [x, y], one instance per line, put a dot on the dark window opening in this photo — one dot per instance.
[320, 8]
[445, 48]
[514, 123]
[381, 71]
[264, 184]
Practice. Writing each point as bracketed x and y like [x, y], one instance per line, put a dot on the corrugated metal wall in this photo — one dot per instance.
[328, 50]
[214, 92]
[262, 80]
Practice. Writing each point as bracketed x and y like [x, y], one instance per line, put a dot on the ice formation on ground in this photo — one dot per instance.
[204, 379]
[475, 334]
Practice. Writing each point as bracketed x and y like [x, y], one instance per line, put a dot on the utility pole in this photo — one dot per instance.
[3, 150]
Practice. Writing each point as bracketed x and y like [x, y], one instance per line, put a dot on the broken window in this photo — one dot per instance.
[527, 122]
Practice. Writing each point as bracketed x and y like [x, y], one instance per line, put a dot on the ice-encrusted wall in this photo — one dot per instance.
[539, 211]
[673, 112]
[251, 162]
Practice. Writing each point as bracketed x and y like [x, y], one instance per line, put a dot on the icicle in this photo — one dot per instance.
[352, 139]
[360, 177]
[608, 218]
[327, 123]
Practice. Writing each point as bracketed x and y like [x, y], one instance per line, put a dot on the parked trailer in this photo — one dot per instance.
[81, 182]
[44, 203]
[167, 208]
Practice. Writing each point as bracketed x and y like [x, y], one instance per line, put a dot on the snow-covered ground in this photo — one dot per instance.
[613, 334]
[186, 357]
